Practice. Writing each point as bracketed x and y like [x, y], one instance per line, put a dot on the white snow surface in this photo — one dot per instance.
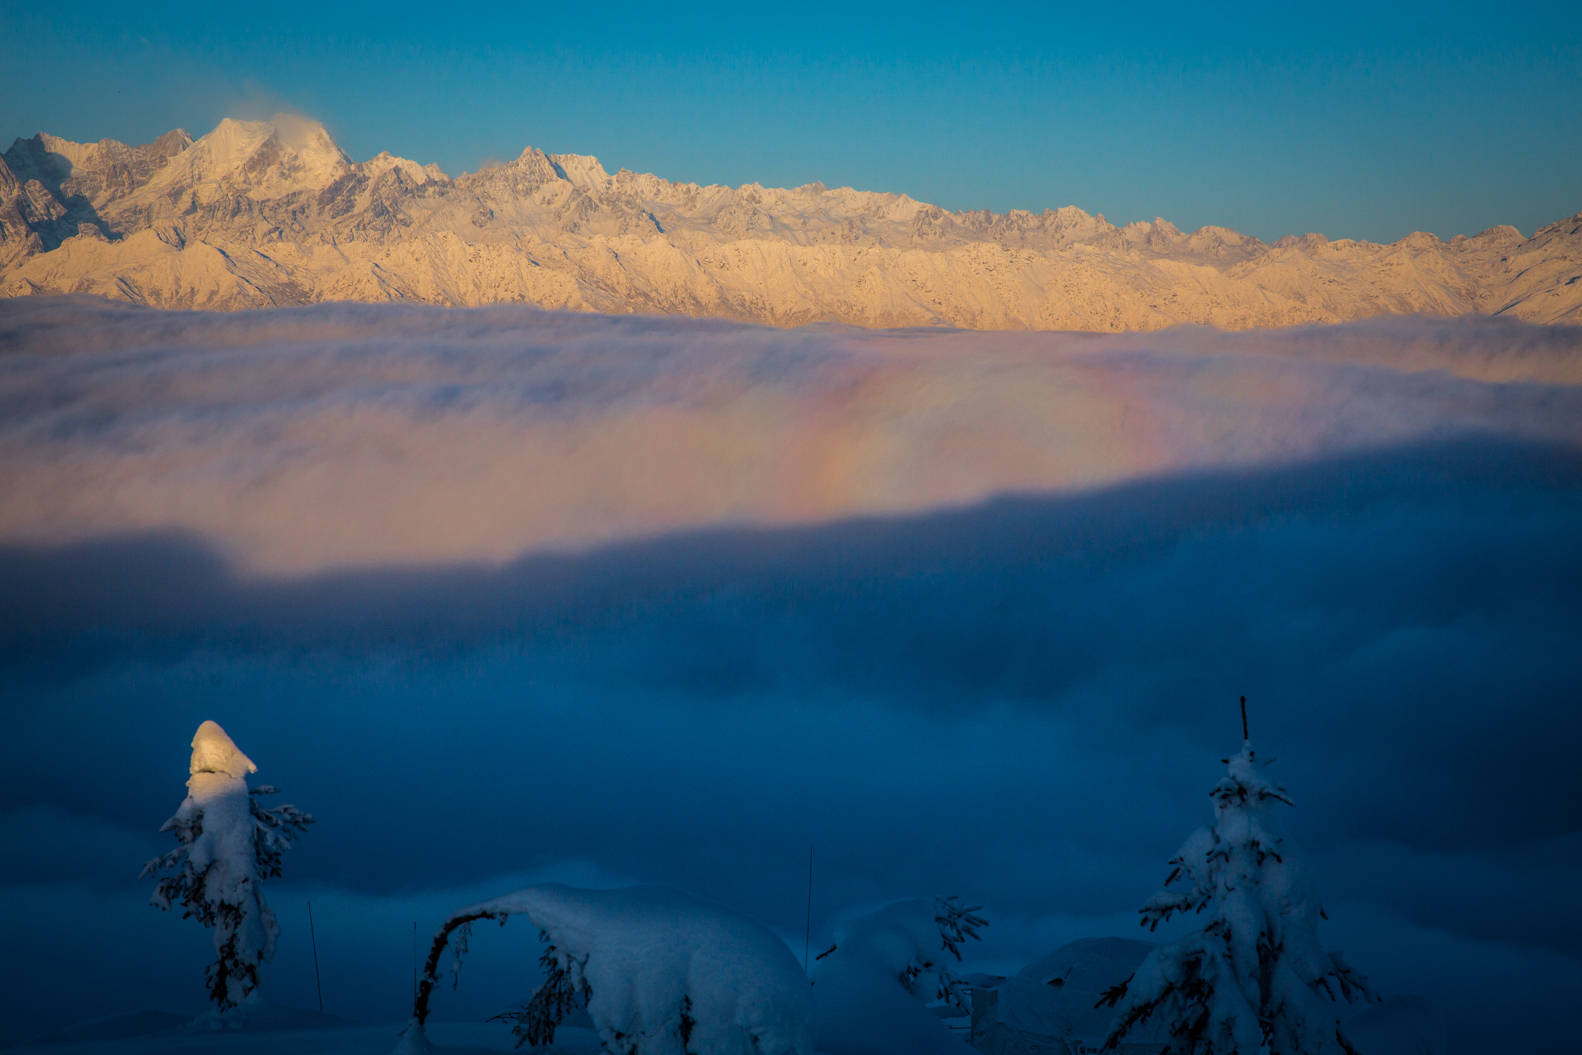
[648, 953]
[306, 1038]
[1056, 995]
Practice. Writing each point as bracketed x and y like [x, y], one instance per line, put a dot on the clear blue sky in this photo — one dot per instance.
[1360, 120]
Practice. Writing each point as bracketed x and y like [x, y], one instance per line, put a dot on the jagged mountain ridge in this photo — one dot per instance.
[274, 212]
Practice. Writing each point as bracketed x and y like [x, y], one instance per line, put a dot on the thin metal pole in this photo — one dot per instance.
[314, 937]
[807, 930]
[414, 961]
[1244, 719]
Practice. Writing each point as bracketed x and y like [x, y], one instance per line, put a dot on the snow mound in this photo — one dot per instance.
[255, 1015]
[1054, 997]
[117, 1027]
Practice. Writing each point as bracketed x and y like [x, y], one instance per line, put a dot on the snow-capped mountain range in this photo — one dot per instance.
[274, 212]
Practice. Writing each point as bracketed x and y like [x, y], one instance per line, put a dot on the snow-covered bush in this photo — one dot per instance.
[228, 845]
[871, 986]
[659, 972]
[1254, 978]
[1053, 1003]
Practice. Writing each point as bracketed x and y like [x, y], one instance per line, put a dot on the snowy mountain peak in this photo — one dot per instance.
[239, 217]
[384, 161]
[269, 159]
[580, 170]
[75, 153]
[305, 136]
[528, 169]
[213, 751]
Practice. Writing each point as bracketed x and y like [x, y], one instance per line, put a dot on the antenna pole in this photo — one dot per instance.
[414, 961]
[1244, 719]
[313, 936]
[807, 930]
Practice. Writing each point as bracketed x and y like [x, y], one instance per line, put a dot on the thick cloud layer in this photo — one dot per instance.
[296, 441]
[503, 594]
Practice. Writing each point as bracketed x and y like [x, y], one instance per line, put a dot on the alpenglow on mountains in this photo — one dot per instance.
[273, 212]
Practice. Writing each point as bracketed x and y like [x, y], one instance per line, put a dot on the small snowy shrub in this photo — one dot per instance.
[228, 845]
[870, 988]
[660, 973]
[913, 942]
[1254, 980]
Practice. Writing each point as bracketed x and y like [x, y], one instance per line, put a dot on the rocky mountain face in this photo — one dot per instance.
[274, 212]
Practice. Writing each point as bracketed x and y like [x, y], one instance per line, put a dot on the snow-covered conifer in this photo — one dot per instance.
[228, 844]
[1254, 978]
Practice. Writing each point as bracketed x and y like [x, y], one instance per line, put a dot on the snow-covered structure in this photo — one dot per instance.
[659, 973]
[872, 988]
[1052, 1006]
[1254, 979]
[228, 845]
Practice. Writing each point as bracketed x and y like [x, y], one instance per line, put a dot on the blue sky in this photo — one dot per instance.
[1357, 120]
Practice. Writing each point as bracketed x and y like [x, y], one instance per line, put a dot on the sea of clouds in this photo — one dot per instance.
[503, 595]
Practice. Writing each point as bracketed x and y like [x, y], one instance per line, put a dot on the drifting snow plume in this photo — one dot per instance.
[872, 985]
[1254, 978]
[229, 844]
[659, 972]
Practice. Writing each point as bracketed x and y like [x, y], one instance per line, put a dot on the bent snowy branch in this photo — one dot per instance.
[658, 972]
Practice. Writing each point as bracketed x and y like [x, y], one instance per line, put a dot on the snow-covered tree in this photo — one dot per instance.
[871, 986]
[914, 942]
[1254, 979]
[228, 844]
[659, 973]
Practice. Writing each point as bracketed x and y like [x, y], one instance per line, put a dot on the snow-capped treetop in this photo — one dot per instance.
[1242, 867]
[215, 752]
[1233, 849]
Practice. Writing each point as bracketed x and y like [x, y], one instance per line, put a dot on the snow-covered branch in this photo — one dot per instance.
[660, 973]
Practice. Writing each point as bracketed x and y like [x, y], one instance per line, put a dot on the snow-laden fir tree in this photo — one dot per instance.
[228, 844]
[1254, 978]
